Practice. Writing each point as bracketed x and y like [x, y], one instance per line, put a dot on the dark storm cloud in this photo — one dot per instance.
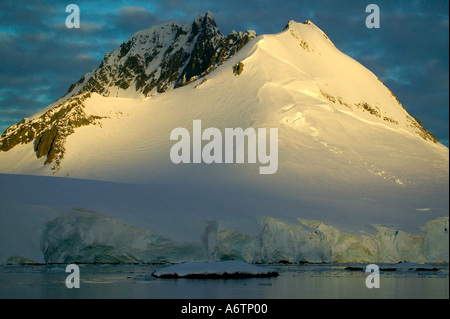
[40, 57]
[25, 106]
[129, 20]
[25, 15]
[37, 61]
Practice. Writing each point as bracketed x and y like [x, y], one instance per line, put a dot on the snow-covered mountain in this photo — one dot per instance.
[151, 61]
[162, 57]
[358, 179]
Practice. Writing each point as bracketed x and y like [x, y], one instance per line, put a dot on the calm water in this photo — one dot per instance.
[295, 281]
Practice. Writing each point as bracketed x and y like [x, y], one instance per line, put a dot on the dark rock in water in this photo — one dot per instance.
[427, 269]
[358, 268]
[231, 269]
[398, 267]
[225, 275]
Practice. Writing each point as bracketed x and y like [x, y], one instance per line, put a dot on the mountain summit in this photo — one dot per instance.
[351, 159]
[152, 61]
[162, 57]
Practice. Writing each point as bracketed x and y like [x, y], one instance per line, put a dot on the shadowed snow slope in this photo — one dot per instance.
[349, 156]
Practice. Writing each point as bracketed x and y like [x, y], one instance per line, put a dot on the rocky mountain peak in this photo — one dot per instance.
[162, 57]
[206, 20]
[152, 61]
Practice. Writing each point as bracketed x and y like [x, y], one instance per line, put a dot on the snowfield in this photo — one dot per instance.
[358, 179]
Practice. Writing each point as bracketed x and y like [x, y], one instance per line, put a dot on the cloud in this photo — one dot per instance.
[129, 20]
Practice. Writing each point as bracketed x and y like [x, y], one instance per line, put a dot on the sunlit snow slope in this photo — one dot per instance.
[350, 156]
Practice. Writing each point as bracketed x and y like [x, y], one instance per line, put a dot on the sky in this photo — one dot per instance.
[40, 57]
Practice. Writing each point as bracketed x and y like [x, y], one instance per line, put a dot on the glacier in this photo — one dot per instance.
[88, 237]
[76, 235]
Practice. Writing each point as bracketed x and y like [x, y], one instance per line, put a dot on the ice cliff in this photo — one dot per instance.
[89, 237]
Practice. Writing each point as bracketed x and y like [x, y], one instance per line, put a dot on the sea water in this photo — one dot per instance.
[308, 281]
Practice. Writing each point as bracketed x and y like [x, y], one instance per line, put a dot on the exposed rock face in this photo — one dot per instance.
[375, 111]
[163, 57]
[151, 61]
[49, 131]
